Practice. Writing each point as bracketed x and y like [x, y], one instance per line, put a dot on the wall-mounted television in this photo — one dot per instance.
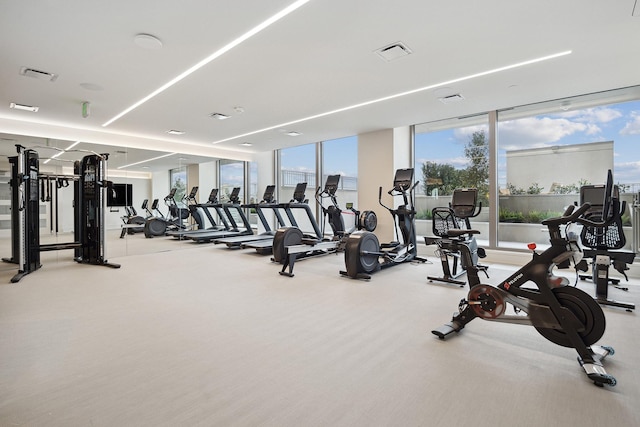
[120, 195]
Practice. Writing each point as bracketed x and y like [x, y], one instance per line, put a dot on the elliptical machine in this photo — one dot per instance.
[290, 244]
[158, 226]
[455, 238]
[563, 314]
[363, 252]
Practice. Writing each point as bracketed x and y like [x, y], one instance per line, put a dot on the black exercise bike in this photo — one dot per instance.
[564, 315]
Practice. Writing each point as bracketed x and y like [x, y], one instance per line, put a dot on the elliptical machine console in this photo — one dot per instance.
[363, 252]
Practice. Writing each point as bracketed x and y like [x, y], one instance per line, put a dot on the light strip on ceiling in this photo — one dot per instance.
[61, 152]
[145, 161]
[255, 30]
[410, 92]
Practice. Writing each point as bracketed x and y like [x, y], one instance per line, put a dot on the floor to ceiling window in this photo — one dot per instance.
[340, 157]
[451, 154]
[547, 151]
[178, 180]
[298, 165]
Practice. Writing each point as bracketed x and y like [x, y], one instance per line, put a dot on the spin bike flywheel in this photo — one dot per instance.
[587, 311]
[486, 301]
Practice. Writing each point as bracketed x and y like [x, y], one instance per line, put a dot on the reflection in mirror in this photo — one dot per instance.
[138, 177]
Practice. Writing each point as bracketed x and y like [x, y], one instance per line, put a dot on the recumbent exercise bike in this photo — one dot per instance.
[604, 244]
[457, 246]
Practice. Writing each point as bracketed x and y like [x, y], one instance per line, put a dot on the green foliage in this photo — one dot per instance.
[516, 191]
[531, 217]
[447, 178]
[424, 214]
[442, 176]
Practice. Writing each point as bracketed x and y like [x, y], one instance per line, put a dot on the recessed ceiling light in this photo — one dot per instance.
[247, 144]
[293, 133]
[218, 116]
[23, 107]
[176, 132]
[147, 41]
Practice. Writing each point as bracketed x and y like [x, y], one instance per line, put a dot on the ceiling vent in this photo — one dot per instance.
[218, 116]
[24, 107]
[37, 74]
[393, 51]
[450, 99]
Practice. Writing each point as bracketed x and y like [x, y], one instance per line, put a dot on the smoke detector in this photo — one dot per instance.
[37, 74]
[393, 51]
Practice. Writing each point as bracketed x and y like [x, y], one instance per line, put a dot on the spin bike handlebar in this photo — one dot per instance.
[571, 215]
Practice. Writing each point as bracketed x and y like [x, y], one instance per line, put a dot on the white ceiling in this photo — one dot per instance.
[318, 59]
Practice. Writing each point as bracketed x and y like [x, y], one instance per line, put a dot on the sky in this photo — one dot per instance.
[619, 123]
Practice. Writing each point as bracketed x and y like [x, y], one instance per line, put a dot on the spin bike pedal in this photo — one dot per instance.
[594, 370]
[443, 331]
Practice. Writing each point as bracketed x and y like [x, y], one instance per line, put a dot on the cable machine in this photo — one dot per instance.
[89, 206]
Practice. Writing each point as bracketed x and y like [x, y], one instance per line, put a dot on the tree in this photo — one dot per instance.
[442, 176]
[476, 175]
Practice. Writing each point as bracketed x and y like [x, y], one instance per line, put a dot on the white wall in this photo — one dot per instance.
[380, 153]
[563, 164]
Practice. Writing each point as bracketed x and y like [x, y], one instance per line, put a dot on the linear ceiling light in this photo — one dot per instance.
[145, 161]
[61, 152]
[255, 30]
[401, 94]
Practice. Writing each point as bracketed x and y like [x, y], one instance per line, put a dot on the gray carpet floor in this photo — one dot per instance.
[200, 335]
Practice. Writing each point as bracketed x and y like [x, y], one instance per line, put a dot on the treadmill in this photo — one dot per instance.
[212, 202]
[227, 210]
[265, 246]
[268, 202]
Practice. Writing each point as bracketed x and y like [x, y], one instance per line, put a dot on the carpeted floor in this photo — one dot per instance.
[200, 335]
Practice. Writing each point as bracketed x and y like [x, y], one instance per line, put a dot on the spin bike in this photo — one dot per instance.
[363, 253]
[563, 314]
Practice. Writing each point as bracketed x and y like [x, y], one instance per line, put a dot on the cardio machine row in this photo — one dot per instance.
[564, 315]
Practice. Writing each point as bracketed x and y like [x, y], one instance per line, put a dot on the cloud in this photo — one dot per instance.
[632, 127]
[464, 134]
[534, 132]
[457, 162]
[593, 115]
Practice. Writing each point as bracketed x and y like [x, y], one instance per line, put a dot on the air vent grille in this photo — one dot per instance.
[37, 74]
[450, 99]
[393, 51]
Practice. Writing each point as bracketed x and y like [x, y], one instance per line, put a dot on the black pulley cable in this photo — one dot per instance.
[42, 195]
